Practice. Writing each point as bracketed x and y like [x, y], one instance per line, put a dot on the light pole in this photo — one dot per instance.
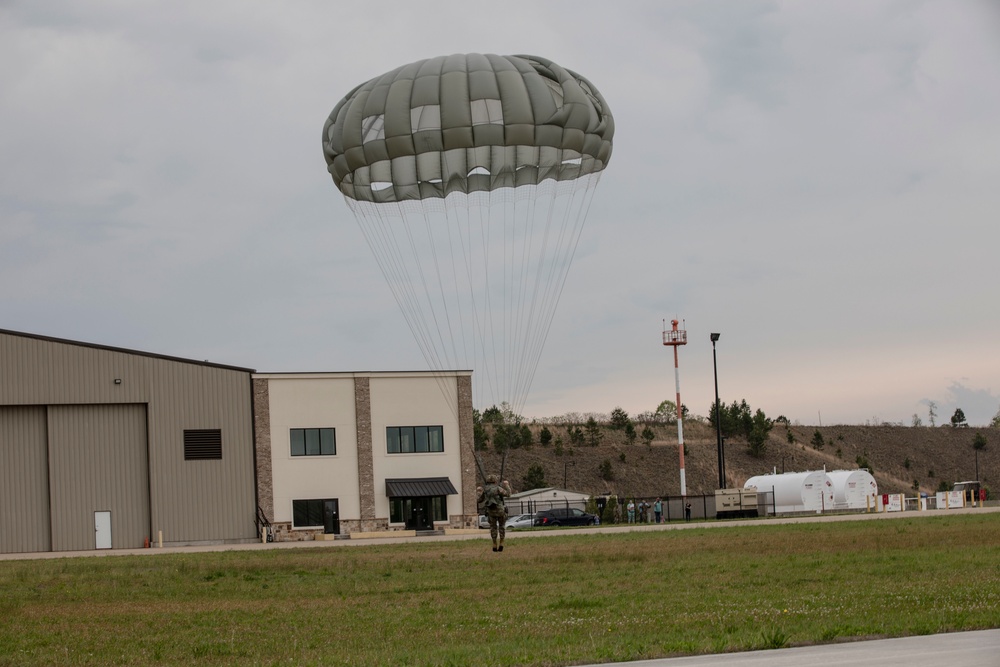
[718, 417]
[566, 465]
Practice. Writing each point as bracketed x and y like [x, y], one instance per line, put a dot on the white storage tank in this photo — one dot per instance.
[853, 489]
[810, 491]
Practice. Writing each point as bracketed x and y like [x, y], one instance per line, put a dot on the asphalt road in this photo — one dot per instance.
[979, 649]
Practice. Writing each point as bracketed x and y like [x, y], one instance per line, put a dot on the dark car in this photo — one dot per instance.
[565, 516]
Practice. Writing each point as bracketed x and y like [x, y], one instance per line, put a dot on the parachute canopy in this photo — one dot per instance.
[466, 123]
[470, 177]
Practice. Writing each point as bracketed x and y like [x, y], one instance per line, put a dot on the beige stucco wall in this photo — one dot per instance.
[313, 401]
[360, 406]
[415, 401]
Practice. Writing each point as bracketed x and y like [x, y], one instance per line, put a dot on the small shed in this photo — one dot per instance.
[853, 489]
[810, 491]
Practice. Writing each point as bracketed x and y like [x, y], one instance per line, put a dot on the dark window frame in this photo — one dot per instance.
[310, 509]
[317, 445]
[414, 439]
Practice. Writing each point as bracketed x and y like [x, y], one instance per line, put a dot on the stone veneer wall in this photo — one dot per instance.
[366, 462]
[262, 447]
[470, 513]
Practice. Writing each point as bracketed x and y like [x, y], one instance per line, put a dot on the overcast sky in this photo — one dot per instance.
[819, 182]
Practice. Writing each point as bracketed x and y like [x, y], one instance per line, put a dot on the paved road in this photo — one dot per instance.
[979, 649]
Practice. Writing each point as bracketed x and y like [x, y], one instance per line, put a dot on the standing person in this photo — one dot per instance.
[687, 512]
[631, 511]
[491, 498]
[658, 510]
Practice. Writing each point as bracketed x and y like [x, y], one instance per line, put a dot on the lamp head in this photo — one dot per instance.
[715, 337]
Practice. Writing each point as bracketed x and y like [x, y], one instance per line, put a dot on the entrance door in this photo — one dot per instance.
[331, 517]
[102, 530]
[420, 514]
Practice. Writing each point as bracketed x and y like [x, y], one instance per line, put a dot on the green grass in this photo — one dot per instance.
[553, 600]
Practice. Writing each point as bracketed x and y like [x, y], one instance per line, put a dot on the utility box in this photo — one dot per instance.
[735, 503]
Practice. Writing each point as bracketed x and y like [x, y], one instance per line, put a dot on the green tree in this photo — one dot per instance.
[931, 412]
[526, 439]
[608, 515]
[915, 422]
[606, 472]
[480, 436]
[630, 434]
[575, 434]
[594, 433]
[619, 419]
[995, 422]
[817, 440]
[862, 461]
[647, 436]
[958, 419]
[534, 479]
[759, 433]
[979, 442]
[545, 436]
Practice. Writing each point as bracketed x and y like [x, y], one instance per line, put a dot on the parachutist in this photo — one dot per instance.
[491, 498]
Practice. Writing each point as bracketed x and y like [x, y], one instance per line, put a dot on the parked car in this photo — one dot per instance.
[520, 521]
[565, 516]
[484, 521]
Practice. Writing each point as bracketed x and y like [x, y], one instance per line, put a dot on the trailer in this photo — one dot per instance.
[735, 503]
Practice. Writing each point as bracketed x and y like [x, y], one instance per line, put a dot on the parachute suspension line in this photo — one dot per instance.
[588, 189]
[569, 225]
[446, 314]
[531, 256]
[376, 229]
[400, 272]
[532, 326]
[489, 338]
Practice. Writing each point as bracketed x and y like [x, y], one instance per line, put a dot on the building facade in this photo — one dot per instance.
[103, 447]
[350, 453]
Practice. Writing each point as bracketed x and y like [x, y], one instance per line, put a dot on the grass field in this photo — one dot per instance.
[557, 600]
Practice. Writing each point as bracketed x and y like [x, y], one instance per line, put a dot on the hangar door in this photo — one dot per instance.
[98, 463]
[24, 480]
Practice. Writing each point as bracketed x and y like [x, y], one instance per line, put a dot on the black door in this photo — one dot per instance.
[420, 514]
[331, 517]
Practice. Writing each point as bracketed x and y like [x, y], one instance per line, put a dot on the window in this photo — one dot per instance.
[313, 441]
[316, 512]
[414, 439]
[202, 444]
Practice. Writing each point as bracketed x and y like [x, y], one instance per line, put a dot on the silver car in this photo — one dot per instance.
[520, 521]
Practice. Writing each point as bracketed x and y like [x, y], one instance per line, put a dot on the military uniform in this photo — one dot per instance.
[491, 501]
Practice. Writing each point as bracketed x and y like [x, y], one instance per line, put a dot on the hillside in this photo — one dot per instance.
[898, 456]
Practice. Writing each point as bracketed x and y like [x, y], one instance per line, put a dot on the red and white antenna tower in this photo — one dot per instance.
[675, 337]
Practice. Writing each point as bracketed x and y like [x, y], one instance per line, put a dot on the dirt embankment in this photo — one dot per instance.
[900, 457]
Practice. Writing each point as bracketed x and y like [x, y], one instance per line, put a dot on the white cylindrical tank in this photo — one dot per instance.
[853, 489]
[810, 491]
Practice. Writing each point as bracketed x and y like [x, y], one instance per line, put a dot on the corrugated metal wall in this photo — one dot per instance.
[24, 480]
[97, 462]
[190, 501]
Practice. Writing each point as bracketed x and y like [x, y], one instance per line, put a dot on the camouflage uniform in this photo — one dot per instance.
[491, 498]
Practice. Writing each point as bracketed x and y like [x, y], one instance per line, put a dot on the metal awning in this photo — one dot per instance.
[419, 487]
